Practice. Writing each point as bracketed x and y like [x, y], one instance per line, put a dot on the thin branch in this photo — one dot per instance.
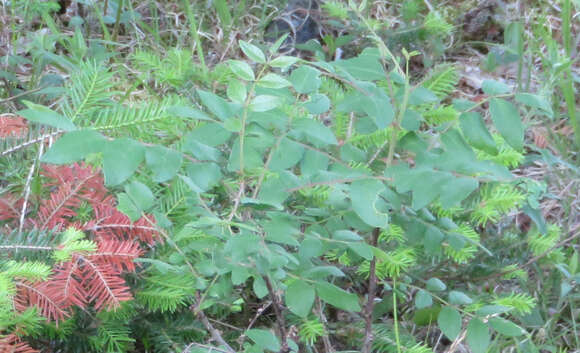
[215, 334]
[25, 247]
[237, 200]
[27, 189]
[128, 226]
[345, 81]
[279, 315]
[224, 324]
[325, 340]
[267, 164]
[259, 313]
[209, 348]
[329, 156]
[336, 181]
[16, 96]
[369, 307]
[453, 347]
[350, 127]
[378, 152]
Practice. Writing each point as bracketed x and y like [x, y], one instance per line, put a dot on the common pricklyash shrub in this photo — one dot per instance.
[304, 203]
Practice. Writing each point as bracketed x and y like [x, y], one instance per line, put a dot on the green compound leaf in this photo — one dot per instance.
[140, 194]
[281, 228]
[476, 132]
[286, 155]
[275, 81]
[449, 321]
[163, 162]
[478, 337]
[236, 91]
[492, 87]
[346, 235]
[366, 66]
[505, 327]
[364, 198]
[259, 287]
[128, 207]
[362, 249]
[264, 103]
[242, 70]
[507, 120]
[199, 150]
[252, 52]
[203, 176]
[305, 79]
[536, 101]
[310, 247]
[217, 105]
[436, 285]
[459, 298]
[371, 100]
[337, 297]
[283, 61]
[423, 299]
[121, 158]
[422, 95]
[313, 131]
[74, 146]
[300, 297]
[318, 104]
[457, 190]
[43, 115]
[264, 338]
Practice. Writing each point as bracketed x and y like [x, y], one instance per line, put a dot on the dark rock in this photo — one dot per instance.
[300, 19]
[480, 23]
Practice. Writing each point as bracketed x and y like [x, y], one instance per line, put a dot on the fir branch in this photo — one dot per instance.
[50, 304]
[118, 254]
[13, 344]
[57, 211]
[89, 89]
[67, 283]
[34, 137]
[442, 81]
[119, 117]
[9, 207]
[28, 245]
[61, 205]
[104, 285]
[111, 223]
[113, 336]
[530, 261]
[163, 299]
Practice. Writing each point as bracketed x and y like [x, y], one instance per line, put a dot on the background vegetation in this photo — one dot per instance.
[256, 176]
